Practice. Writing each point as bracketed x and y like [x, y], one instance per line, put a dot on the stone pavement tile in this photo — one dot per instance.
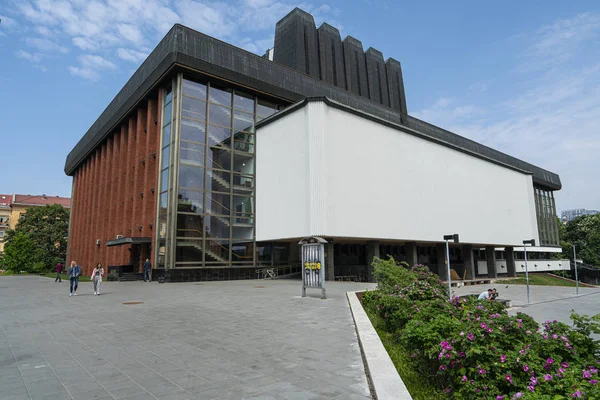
[126, 391]
[263, 396]
[143, 396]
[13, 392]
[84, 387]
[158, 386]
[210, 394]
[175, 374]
[211, 375]
[178, 395]
[96, 394]
[192, 382]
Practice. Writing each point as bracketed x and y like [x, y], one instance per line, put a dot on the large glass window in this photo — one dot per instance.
[215, 190]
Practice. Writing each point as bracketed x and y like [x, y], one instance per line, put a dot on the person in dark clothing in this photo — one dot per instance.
[74, 271]
[147, 269]
[59, 270]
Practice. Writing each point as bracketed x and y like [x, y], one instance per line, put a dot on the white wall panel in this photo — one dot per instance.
[366, 180]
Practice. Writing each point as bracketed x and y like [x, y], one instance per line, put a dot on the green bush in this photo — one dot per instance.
[389, 273]
[474, 349]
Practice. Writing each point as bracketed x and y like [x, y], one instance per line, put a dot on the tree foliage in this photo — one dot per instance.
[586, 231]
[46, 229]
[20, 254]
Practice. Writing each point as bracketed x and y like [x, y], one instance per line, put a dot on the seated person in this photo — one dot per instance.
[486, 295]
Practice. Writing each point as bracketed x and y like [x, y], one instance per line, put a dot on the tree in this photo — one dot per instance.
[586, 230]
[20, 254]
[47, 229]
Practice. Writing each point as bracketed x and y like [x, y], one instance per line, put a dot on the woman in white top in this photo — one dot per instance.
[97, 278]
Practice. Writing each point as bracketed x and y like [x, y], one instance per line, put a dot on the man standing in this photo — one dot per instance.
[147, 269]
[59, 269]
[74, 271]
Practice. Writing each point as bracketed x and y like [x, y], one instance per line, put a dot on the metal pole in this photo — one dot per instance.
[576, 277]
[448, 267]
[526, 272]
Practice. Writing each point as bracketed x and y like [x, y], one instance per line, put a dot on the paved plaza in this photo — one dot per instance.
[211, 340]
[547, 302]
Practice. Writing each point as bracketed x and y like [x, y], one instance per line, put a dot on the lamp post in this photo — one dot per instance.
[454, 238]
[575, 262]
[525, 243]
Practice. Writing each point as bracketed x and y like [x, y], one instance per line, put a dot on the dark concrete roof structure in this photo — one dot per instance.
[308, 62]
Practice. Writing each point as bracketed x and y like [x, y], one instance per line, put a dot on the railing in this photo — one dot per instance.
[273, 272]
[532, 266]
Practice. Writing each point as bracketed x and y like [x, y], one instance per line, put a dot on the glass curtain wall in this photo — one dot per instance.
[213, 210]
[546, 217]
[165, 177]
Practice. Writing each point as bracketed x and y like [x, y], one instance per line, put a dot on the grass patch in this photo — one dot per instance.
[419, 387]
[541, 280]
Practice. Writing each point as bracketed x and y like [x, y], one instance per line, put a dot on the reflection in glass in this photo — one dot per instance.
[218, 203]
[167, 113]
[167, 134]
[218, 180]
[193, 130]
[242, 251]
[220, 96]
[265, 108]
[243, 163]
[245, 232]
[217, 227]
[243, 101]
[217, 251]
[219, 136]
[189, 225]
[243, 121]
[190, 201]
[195, 89]
[219, 115]
[188, 249]
[192, 108]
[244, 142]
[164, 180]
[166, 156]
[242, 183]
[218, 158]
[191, 177]
[192, 153]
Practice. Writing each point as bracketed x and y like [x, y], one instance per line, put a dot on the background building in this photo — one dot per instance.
[213, 160]
[14, 206]
[569, 215]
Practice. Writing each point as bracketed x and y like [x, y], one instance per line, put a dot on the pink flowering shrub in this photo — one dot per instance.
[475, 350]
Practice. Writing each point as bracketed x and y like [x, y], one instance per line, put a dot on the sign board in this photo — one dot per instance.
[313, 264]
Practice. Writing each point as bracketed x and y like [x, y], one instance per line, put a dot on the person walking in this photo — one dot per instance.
[59, 270]
[74, 271]
[147, 269]
[97, 274]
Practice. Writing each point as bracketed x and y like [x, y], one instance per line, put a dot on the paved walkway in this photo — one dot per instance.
[221, 340]
[547, 302]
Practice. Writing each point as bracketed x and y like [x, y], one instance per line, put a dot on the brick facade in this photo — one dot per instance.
[115, 191]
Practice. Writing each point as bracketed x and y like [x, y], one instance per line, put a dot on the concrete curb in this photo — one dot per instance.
[385, 380]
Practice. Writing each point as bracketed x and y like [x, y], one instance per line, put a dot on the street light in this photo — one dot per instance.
[525, 243]
[454, 238]
[575, 262]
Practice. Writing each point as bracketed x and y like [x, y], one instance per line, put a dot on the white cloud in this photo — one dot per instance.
[45, 44]
[96, 62]
[131, 33]
[129, 28]
[83, 72]
[7, 23]
[131, 55]
[31, 57]
[84, 43]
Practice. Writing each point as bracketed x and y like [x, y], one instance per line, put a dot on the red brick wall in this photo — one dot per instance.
[107, 190]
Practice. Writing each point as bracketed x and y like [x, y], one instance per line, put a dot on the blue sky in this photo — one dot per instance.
[521, 78]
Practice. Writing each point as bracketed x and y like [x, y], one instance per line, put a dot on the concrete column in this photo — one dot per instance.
[329, 262]
[372, 252]
[490, 256]
[410, 249]
[469, 260]
[442, 268]
[511, 269]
